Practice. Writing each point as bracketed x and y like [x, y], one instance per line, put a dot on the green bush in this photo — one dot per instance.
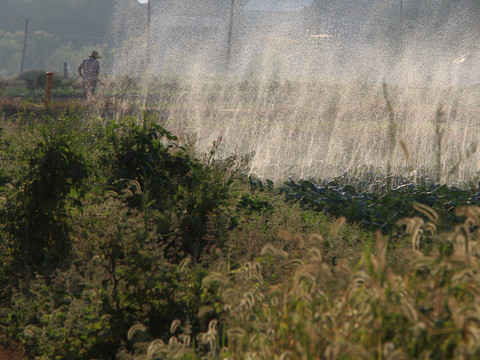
[185, 193]
[35, 217]
[59, 320]
[37, 79]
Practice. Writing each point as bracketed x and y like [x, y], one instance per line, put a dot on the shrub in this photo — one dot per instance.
[60, 319]
[36, 79]
[36, 213]
[184, 192]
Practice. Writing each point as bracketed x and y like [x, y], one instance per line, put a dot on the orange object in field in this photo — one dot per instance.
[48, 88]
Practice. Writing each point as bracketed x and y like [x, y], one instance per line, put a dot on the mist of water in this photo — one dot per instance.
[304, 92]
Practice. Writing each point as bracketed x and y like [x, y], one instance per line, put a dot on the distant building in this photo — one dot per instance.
[181, 16]
[282, 36]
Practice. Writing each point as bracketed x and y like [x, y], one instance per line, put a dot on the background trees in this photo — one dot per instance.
[58, 31]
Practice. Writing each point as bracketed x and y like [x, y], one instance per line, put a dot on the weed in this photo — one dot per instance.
[440, 120]
[392, 133]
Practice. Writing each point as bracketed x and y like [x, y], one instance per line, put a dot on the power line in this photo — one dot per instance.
[9, 21]
[50, 22]
[63, 35]
[66, 23]
[76, 36]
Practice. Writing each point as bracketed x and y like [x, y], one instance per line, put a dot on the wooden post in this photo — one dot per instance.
[48, 89]
[65, 70]
[24, 46]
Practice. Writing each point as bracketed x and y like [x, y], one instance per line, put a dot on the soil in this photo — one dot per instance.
[12, 354]
[10, 350]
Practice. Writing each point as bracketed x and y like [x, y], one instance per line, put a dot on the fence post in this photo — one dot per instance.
[48, 89]
[65, 70]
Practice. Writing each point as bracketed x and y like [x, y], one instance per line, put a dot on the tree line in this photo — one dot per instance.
[58, 31]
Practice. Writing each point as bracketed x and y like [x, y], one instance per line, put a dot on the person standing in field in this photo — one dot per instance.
[89, 70]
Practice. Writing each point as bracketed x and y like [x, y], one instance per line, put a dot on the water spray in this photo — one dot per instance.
[306, 96]
[75, 85]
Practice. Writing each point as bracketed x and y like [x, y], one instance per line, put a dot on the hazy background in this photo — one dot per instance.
[333, 121]
[58, 31]
[67, 30]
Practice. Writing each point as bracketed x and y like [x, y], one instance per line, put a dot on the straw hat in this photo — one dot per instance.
[95, 55]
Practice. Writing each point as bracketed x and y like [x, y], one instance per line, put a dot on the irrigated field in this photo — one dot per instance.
[133, 232]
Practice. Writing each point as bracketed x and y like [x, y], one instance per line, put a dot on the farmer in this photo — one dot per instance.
[91, 69]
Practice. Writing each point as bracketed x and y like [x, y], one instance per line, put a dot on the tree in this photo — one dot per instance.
[53, 24]
[10, 52]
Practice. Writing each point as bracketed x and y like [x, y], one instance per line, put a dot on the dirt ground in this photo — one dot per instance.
[12, 354]
[10, 350]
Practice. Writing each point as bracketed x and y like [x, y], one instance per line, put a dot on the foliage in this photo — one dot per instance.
[36, 79]
[426, 308]
[117, 242]
[11, 52]
[42, 317]
[379, 210]
[36, 211]
[184, 192]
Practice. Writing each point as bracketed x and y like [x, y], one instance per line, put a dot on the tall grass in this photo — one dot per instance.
[440, 121]
[423, 309]
[391, 134]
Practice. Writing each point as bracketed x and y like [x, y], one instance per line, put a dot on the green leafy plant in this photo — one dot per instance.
[36, 212]
[185, 191]
[376, 209]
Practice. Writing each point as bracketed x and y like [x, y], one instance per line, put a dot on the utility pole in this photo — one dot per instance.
[148, 67]
[24, 46]
[148, 2]
[148, 32]
[401, 11]
[230, 33]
